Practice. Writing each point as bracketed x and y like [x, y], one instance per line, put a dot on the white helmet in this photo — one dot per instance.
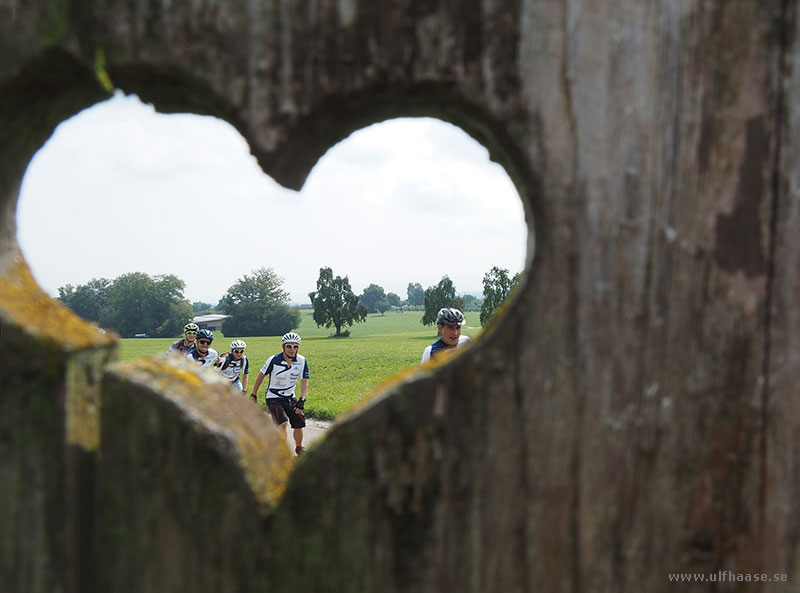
[238, 344]
[290, 337]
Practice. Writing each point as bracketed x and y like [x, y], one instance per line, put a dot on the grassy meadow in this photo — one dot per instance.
[343, 370]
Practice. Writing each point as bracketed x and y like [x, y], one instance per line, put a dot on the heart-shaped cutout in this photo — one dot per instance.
[121, 188]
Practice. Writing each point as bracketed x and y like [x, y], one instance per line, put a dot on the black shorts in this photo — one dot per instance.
[283, 409]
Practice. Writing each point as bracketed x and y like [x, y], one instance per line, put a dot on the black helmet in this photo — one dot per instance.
[206, 334]
[450, 316]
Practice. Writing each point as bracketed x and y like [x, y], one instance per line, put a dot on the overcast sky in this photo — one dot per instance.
[120, 188]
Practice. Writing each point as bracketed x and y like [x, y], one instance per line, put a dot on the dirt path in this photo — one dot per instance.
[314, 429]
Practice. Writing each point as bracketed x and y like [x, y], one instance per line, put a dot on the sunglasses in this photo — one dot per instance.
[293, 346]
[206, 342]
[190, 333]
[238, 351]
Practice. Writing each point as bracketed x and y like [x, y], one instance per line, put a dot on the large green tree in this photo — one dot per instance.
[382, 306]
[371, 296]
[497, 285]
[335, 303]
[139, 304]
[416, 294]
[441, 295]
[87, 300]
[258, 306]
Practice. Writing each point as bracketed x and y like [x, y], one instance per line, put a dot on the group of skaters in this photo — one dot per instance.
[285, 370]
[288, 367]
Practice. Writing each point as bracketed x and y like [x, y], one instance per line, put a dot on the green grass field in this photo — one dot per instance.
[343, 370]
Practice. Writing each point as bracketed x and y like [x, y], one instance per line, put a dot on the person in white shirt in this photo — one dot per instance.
[234, 365]
[449, 322]
[285, 369]
[203, 354]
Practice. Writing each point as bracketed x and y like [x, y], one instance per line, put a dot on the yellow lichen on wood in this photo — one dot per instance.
[24, 304]
[210, 403]
[100, 70]
[84, 372]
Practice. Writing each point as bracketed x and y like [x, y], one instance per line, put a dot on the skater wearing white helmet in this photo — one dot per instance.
[285, 369]
[234, 365]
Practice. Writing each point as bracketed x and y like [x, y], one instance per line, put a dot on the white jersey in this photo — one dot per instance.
[230, 368]
[438, 346]
[283, 377]
[204, 361]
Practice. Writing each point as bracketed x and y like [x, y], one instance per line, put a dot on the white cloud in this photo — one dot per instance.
[121, 188]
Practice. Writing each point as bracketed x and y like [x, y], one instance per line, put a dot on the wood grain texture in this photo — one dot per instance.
[634, 413]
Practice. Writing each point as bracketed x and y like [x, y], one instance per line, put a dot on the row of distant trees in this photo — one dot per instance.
[336, 305]
[137, 303]
[257, 304]
[376, 300]
[131, 304]
[497, 285]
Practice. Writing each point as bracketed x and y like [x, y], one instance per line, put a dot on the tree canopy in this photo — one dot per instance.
[87, 300]
[258, 306]
[471, 302]
[335, 303]
[382, 306]
[132, 304]
[201, 308]
[416, 294]
[371, 296]
[497, 285]
[441, 295]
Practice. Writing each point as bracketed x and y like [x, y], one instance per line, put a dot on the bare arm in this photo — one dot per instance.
[256, 385]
